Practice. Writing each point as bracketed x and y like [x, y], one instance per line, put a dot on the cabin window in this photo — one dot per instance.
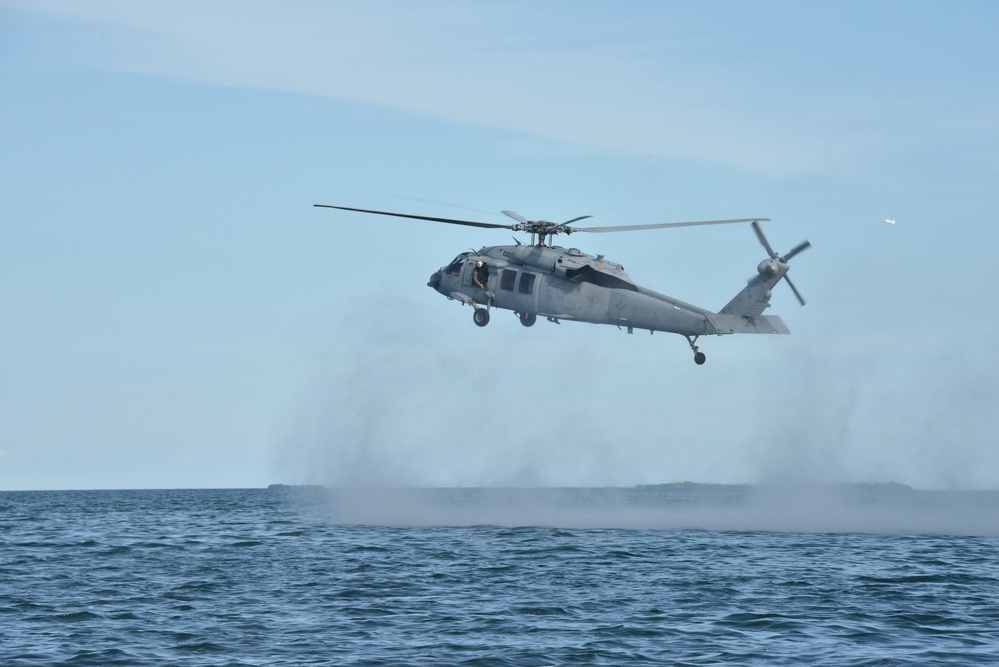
[507, 278]
[527, 283]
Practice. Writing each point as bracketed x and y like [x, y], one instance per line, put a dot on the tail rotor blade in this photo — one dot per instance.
[795, 290]
[804, 245]
[763, 239]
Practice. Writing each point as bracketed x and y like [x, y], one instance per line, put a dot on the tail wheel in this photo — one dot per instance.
[528, 319]
[699, 357]
[481, 317]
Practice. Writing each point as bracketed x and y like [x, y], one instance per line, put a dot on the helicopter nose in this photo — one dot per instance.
[435, 280]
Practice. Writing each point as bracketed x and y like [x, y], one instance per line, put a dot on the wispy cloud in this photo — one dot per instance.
[640, 81]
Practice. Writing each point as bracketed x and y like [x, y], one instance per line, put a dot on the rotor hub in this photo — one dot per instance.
[769, 267]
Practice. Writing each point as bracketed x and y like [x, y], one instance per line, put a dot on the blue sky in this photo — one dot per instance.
[177, 314]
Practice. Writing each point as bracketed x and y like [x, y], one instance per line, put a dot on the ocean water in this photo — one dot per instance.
[664, 575]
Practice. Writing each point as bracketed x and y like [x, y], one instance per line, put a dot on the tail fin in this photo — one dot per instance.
[755, 297]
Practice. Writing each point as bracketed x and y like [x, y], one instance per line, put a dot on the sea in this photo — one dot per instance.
[674, 574]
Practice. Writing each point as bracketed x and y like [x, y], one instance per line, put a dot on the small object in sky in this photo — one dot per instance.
[889, 222]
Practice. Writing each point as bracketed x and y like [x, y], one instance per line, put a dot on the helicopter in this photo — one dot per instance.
[559, 283]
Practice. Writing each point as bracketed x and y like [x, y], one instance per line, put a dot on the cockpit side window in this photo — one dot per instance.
[454, 268]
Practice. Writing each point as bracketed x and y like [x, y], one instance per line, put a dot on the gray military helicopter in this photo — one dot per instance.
[567, 284]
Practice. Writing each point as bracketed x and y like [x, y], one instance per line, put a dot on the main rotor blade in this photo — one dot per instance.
[763, 239]
[662, 225]
[450, 221]
[794, 289]
[569, 222]
[517, 216]
[804, 245]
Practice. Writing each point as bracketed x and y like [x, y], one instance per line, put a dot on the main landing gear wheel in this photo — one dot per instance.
[481, 317]
[528, 319]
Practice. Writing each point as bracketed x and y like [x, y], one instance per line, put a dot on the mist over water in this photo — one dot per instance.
[401, 438]
[387, 413]
[875, 415]
[878, 509]
[430, 431]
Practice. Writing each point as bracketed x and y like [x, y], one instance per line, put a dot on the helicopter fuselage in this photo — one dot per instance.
[567, 284]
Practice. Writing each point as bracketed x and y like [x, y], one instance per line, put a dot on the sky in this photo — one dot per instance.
[176, 313]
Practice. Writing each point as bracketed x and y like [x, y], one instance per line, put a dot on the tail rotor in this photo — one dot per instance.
[781, 260]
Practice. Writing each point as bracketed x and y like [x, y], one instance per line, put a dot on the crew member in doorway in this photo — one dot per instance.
[481, 274]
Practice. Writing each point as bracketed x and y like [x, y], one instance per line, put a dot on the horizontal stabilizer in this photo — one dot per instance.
[761, 324]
